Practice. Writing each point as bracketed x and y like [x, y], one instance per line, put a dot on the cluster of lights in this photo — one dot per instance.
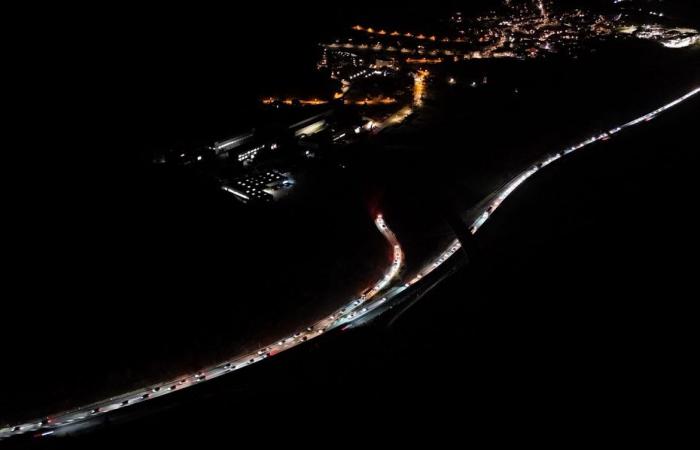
[291, 101]
[252, 187]
[250, 154]
[419, 36]
[668, 37]
[359, 74]
[405, 50]
[252, 182]
[424, 60]
[370, 101]
[419, 80]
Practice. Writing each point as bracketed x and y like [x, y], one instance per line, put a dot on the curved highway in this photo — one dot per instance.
[483, 211]
[351, 312]
[62, 422]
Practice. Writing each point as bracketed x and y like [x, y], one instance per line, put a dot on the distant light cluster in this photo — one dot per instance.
[668, 37]
[530, 30]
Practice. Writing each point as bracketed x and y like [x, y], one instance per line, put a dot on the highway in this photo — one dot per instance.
[352, 311]
[485, 209]
[65, 421]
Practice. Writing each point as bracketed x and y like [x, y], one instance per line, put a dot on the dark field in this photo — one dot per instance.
[576, 306]
[121, 274]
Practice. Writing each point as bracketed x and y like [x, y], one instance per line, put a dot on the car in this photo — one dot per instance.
[125, 402]
[95, 411]
[145, 396]
[156, 389]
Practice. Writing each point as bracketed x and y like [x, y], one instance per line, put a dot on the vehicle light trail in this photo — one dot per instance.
[346, 314]
[499, 197]
[351, 312]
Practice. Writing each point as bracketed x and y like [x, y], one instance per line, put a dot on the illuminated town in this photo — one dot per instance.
[385, 71]
[428, 205]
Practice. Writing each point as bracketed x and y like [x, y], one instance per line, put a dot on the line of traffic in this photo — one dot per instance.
[351, 312]
[65, 419]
